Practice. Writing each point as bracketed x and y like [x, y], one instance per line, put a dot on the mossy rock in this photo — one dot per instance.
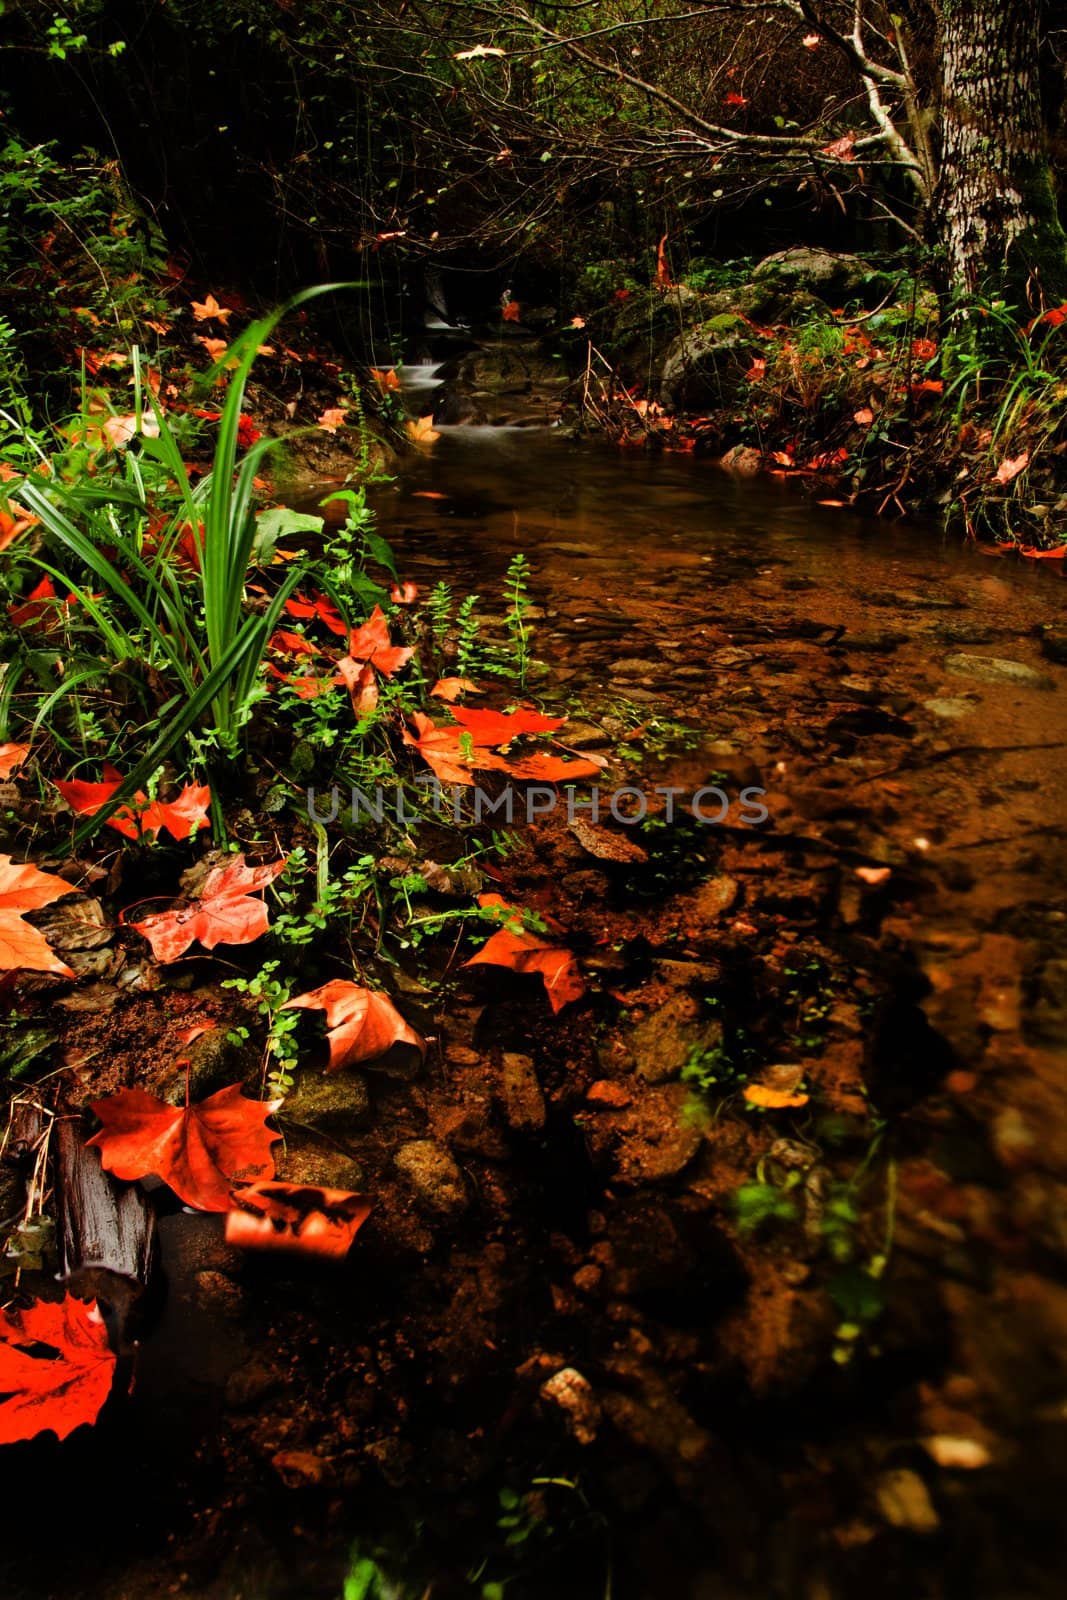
[835, 279]
[704, 369]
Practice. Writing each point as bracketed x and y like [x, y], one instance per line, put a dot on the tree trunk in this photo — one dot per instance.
[995, 211]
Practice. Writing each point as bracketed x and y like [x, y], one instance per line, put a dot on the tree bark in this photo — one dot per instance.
[995, 211]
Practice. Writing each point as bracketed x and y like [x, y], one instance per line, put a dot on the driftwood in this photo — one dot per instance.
[108, 1244]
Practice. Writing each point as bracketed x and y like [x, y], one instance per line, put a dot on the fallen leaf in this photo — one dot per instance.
[811, 41]
[758, 1094]
[224, 913]
[201, 1151]
[371, 643]
[1010, 469]
[56, 1368]
[1057, 552]
[12, 756]
[362, 685]
[13, 524]
[296, 1217]
[864, 416]
[22, 889]
[521, 951]
[386, 380]
[322, 607]
[362, 1023]
[214, 347]
[443, 689]
[873, 875]
[404, 594]
[292, 644]
[208, 310]
[422, 431]
[500, 727]
[510, 311]
[40, 605]
[429, 494]
[332, 418]
[144, 818]
[841, 149]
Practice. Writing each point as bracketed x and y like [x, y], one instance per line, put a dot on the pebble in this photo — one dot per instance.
[434, 1176]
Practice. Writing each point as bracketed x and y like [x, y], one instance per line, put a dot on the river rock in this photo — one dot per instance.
[705, 367]
[335, 1103]
[434, 1176]
[524, 1104]
[996, 669]
[949, 709]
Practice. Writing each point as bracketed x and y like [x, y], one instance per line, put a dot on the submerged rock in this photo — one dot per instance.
[996, 669]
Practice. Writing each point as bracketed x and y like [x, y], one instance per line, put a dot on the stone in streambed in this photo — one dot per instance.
[996, 669]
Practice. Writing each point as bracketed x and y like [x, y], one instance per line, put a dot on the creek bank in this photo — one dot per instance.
[815, 365]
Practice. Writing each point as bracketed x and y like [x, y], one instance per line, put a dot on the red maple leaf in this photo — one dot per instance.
[362, 684]
[296, 1217]
[371, 643]
[510, 312]
[322, 607]
[500, 727]
[11, 757]
[55, 1368]
[515, 947]
[23, 888]
[181, 817]
[40, 605]
[453, 752]
[362, 1023]
[224, 913]
[201, 1151]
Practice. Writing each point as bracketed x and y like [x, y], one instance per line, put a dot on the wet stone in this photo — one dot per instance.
[949, 708]
[524, 1105]
[996, 669]
[434, 1176]
[635, 667]
[335, 1103]
[320, 1165]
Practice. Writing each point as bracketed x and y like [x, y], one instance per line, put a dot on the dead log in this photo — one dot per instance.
[108, 1242]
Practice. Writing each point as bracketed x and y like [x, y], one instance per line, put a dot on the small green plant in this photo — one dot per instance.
[271, 995]
[516, 585]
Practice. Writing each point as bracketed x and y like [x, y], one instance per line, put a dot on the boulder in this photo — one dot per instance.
[835, 279]
[705, 367]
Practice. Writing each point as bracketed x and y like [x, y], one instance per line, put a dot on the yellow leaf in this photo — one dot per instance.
[423, 431]
[209, 309]
[757, 1094]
